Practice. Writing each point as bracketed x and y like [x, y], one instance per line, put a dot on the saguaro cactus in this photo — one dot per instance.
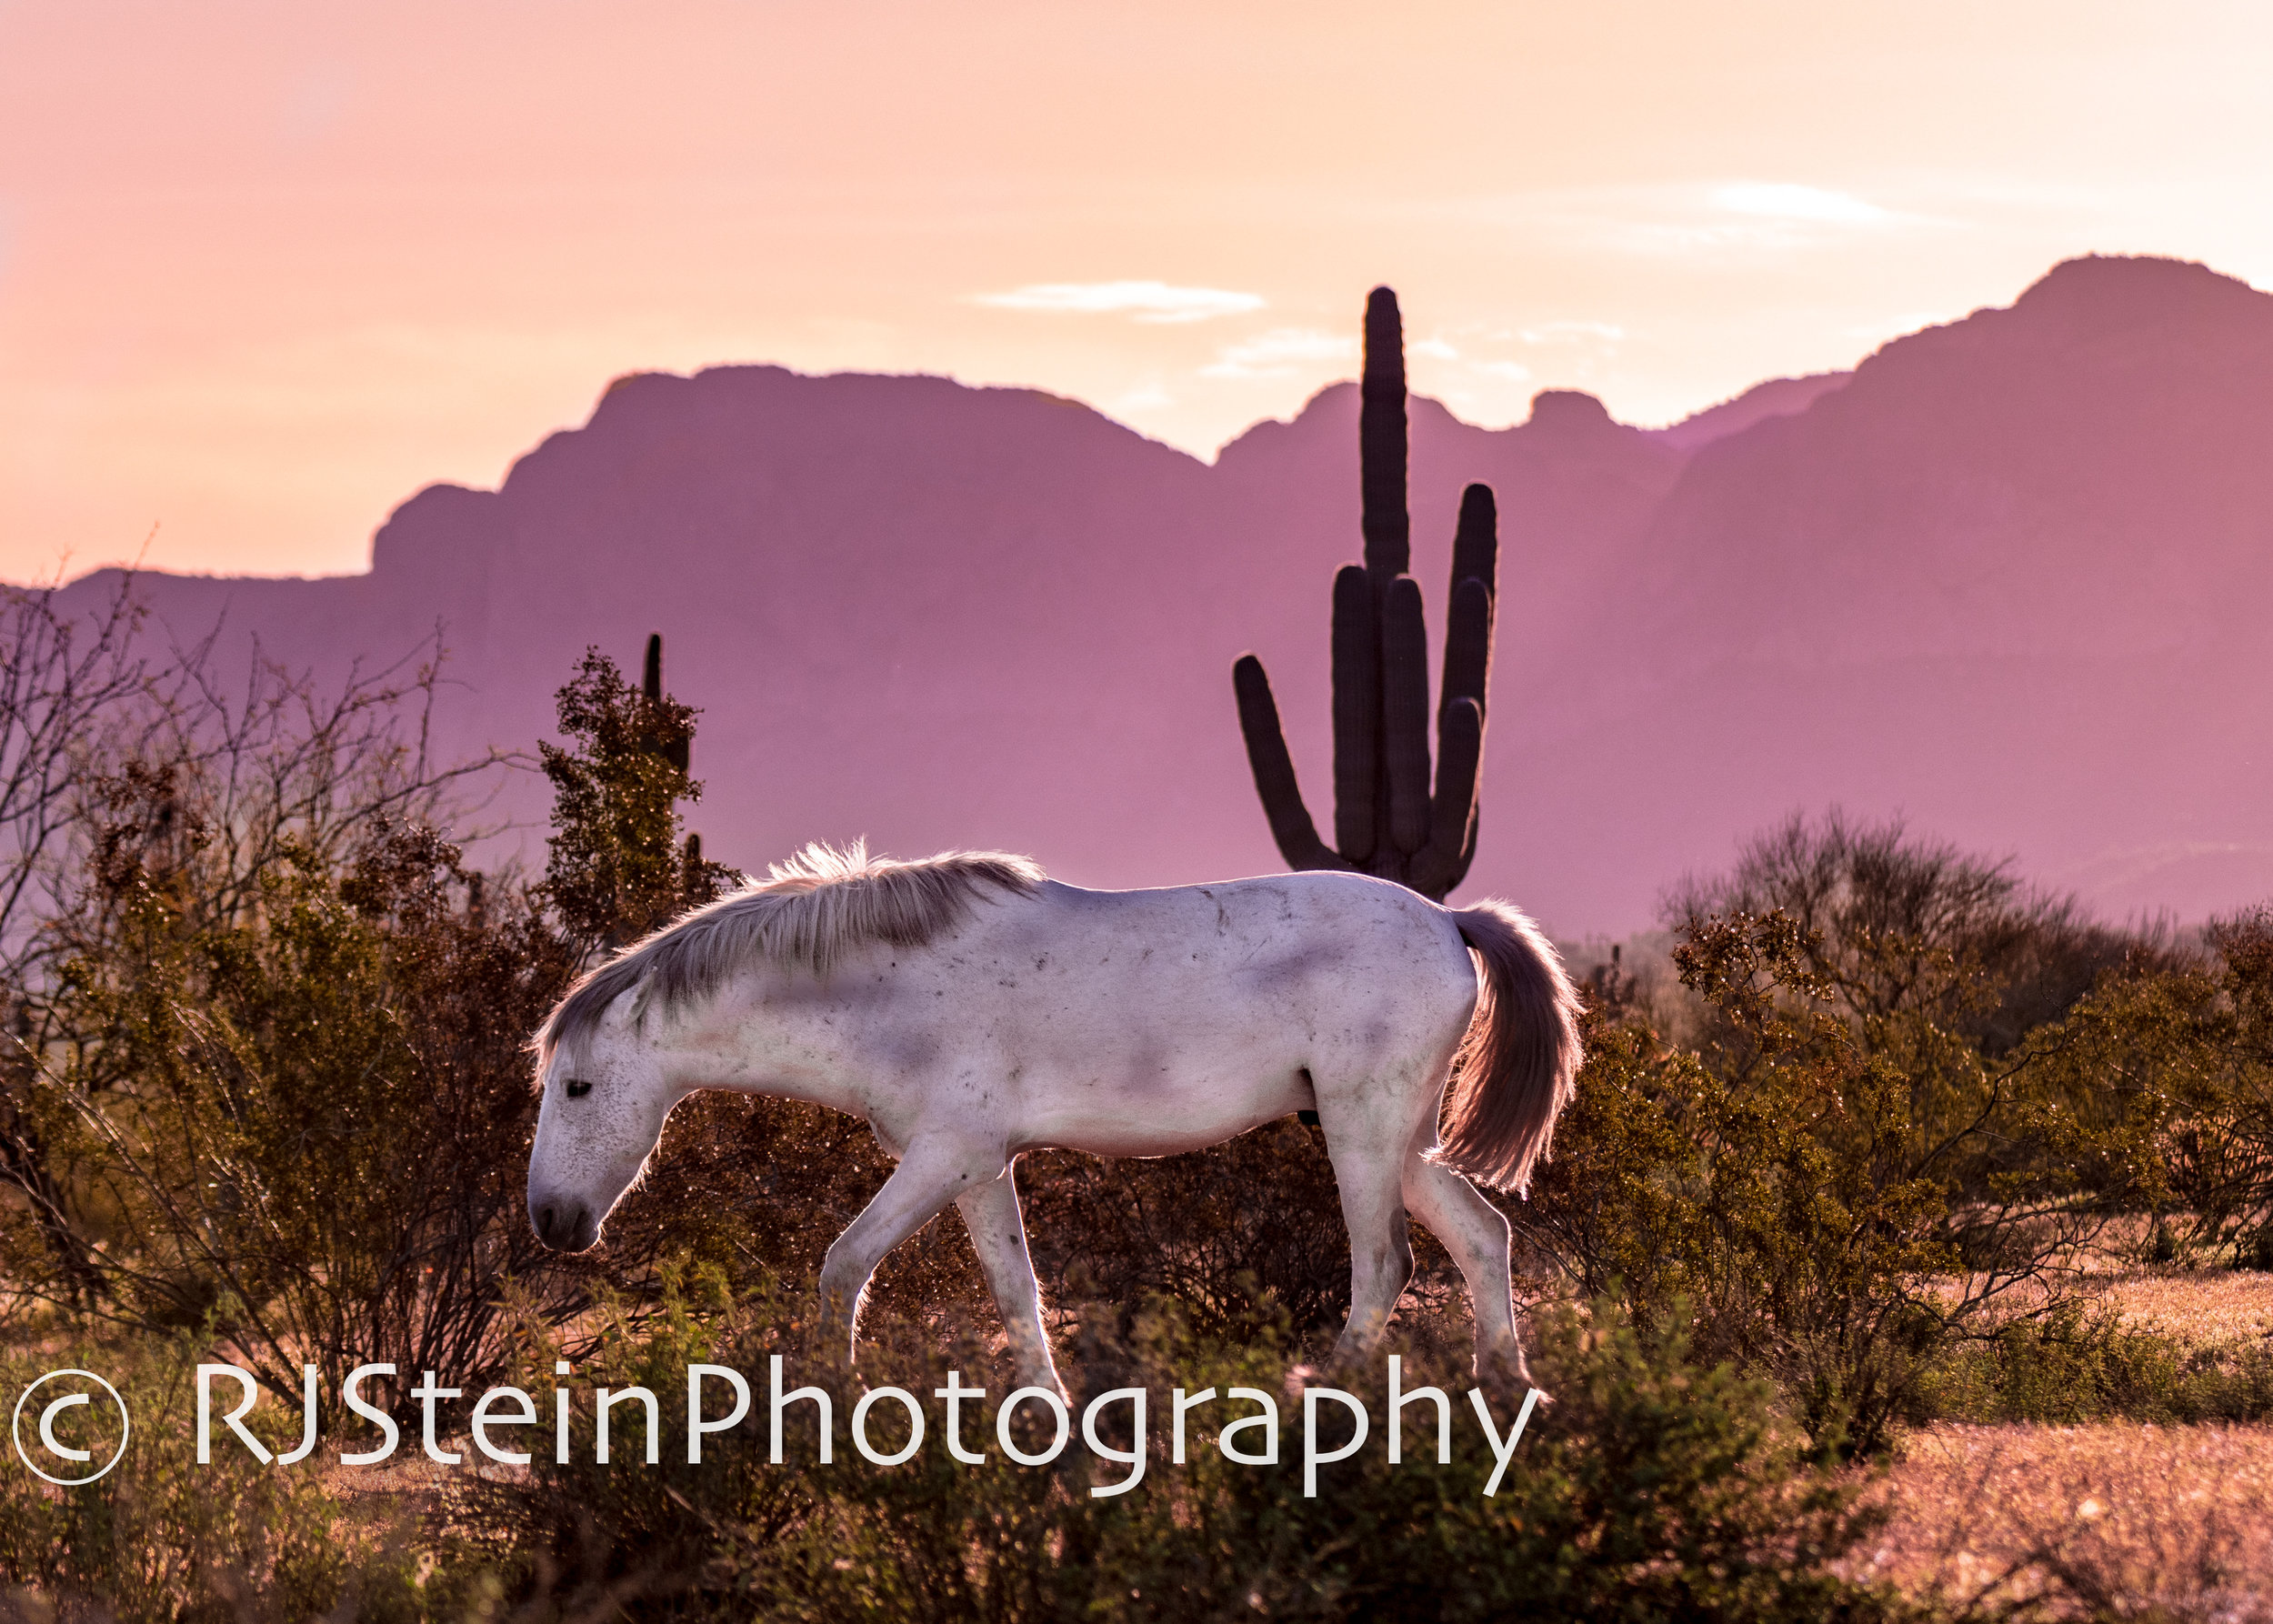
[703, 879]
[679, 749]
[1387, 820]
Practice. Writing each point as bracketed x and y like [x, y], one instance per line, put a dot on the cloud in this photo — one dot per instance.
[1279, 353]
[1149, 396]
[1733, 221]
[1770, 200]
[1141, 301]
[1574, 332]
[1515, 371]
[1435, 349]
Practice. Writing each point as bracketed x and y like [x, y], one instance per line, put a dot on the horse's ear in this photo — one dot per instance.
[622, 1011]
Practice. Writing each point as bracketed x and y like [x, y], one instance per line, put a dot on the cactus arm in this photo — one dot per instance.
[1405, 712]
[1476, 541]
[1357, 714]
[1443, 862]
[1469, 613]
[1467, 648]
[1381, 441]
[1274, 767]
[1462, 697]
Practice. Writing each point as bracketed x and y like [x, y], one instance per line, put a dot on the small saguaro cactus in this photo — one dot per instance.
[702, 884]
[678, 749]
[1386, 821]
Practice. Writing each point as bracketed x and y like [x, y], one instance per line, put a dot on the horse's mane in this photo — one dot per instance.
[807, 912]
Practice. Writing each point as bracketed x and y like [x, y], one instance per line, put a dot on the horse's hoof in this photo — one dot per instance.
[1509, 1379]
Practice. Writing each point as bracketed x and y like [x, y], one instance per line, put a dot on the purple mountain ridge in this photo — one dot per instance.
[2009, 578]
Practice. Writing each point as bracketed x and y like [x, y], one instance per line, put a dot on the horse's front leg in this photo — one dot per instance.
[930, 1175]
[990, 1211]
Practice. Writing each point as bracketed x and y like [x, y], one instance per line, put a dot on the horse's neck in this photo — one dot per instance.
[752, 1039]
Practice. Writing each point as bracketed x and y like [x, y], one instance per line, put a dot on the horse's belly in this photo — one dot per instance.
[1162, 1119]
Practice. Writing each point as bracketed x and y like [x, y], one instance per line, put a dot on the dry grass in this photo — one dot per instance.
[2195, 1300]
[2116, 1521]
[2200, 1308]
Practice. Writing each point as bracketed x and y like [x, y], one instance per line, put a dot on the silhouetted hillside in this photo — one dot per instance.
[2008, 576]
[1779, 397]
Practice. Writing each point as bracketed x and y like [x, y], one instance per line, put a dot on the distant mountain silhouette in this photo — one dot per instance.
[2010, 577]
[1779, 397]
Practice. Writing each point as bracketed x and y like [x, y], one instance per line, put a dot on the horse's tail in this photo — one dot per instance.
[1517, 1067]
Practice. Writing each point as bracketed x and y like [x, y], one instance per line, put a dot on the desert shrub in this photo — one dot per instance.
[1653, 1489]
[265, 1075]
[617, 867]
[128, 779]
[163, 1538]
[303, 1127]
[296, 1120]
[2081, 1365]
[1894, 926]
[1918, 1094]
[2220, 1143]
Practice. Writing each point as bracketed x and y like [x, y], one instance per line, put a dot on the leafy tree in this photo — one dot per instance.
[617, 867]
[1892, 925]
[1915, 1098]
[2217, 1057]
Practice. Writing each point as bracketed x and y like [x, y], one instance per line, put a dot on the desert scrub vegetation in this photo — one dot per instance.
[1847, 1173]
[162, 1537]
[1915, 1106]
[1663, 1488]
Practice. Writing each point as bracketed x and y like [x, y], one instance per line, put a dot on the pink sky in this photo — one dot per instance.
[267, 269]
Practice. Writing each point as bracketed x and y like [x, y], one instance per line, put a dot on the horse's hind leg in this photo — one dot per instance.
[991, 1212]
[1380, 1248]
[1476, 1233]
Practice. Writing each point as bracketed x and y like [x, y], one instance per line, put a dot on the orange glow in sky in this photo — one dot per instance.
[265, 269]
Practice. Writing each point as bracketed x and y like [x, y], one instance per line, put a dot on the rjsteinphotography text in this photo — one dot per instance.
[1127, 1426]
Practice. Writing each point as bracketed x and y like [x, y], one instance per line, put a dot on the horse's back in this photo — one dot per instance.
[1289, 962]
[1147, 1022]
[1329, 928]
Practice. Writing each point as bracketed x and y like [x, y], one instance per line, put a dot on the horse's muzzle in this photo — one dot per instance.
[564, 1226]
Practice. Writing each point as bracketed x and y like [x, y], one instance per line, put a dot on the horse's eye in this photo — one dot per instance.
[577, 1088]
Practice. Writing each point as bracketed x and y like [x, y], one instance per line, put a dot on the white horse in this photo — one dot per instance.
[970, 1009]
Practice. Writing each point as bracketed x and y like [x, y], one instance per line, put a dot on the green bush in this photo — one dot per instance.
[164, 1540]
[1653, 1489]
[2077, 1366]
[1916, 1089]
